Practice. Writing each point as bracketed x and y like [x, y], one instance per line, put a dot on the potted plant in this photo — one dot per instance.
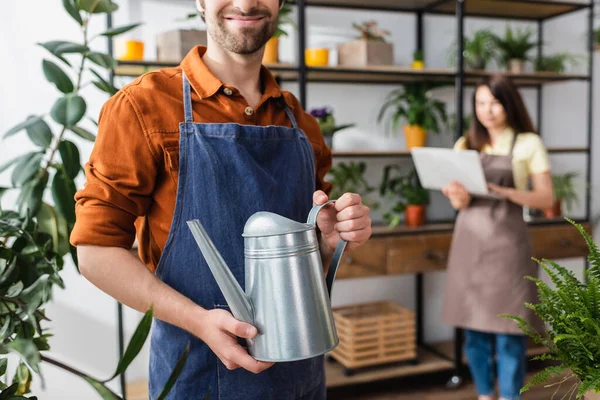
[597, 38]
[477, 51]
[571, 312]
[554, 63]
[418, 60]
[271, 54]
[351, 178]
[369, 48]
[327, 123]
[422, 113]
[411, 198]
[514, 48]
[564, 191]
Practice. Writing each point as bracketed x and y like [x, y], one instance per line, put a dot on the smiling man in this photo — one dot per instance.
[213, 139]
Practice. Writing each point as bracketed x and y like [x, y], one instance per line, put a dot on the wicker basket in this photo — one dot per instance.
[373, 334]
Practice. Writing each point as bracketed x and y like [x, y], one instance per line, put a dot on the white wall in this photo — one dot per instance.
[85, 319]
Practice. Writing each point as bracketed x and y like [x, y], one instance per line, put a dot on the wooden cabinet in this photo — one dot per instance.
[416, 252]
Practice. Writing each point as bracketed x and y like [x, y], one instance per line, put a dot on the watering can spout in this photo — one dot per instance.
[240, 305]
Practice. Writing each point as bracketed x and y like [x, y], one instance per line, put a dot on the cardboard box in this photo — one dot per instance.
[173, 46]
[362, 53]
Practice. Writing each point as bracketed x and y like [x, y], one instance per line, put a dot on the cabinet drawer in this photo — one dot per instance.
[366, 260]
[418, 253]
[555, 242]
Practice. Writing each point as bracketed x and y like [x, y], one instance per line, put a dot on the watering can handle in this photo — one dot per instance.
[339, 249]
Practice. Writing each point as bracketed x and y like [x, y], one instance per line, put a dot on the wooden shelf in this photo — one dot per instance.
[428, 363]
[405, 153]
[137, 68]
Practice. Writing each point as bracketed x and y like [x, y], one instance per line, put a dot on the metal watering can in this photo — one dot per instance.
[287, 298]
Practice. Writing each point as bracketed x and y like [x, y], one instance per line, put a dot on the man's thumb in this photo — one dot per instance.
[319, 197]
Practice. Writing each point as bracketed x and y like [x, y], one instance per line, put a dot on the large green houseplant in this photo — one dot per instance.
[564, 193]
[571, 309]
[514, 47]
[478, 50]
[422, 113]
[411, 199]
[34, 238]
[350, 177]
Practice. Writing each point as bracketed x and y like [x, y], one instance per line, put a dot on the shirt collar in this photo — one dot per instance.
[206, 84]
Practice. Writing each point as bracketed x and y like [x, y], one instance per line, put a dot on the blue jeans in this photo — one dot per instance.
[510, 352]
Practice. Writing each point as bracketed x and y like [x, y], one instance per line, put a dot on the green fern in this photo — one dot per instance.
[572, 311]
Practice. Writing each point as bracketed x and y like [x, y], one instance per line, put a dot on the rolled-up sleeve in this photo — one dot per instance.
[120, 178]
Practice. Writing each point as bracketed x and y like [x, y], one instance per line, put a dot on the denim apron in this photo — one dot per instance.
[227, 172]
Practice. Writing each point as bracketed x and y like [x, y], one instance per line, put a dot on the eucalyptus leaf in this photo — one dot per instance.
[63, 192]
[57, 76]
[103, 60]
[27, 351]
[69, 110]
[119, 30]
[70, 8]
[69, 154]
[135, 345]
[40, 133]
[83, 133]
[102, 390]
[26, 168]
[32, 119]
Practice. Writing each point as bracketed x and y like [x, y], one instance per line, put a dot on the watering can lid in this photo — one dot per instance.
[269, 224]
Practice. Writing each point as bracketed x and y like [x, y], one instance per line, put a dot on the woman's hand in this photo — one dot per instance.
[457, 194]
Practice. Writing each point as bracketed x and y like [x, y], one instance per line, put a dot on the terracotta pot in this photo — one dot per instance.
[516, 66]
[271, 55]
[415, 136]
[414, 215]
[591, 395]
[555, 211]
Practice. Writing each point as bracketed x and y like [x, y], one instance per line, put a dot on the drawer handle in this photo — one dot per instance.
[433, 256]
[565, 242]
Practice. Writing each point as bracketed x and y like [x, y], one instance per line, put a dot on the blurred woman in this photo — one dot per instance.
[491, 250]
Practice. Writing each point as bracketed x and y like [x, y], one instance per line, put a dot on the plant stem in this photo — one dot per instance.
[63, 366]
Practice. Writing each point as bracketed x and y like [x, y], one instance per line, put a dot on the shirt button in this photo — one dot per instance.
[249, 111]
[228, 91]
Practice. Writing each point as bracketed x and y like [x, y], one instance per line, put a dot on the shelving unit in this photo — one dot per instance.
[445, 356]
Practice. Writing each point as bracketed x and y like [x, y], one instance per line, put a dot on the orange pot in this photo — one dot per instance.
[415, 136]
[271, 55]
[555, 211]
[134, 51]
[414, 215]
[316, 57]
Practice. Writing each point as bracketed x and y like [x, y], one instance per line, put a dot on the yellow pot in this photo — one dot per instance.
[417, 65]
[415, 136]
[134, 51]
[316, 57]
[271, 55]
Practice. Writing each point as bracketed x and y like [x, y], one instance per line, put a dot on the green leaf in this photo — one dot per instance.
[15, 160]
[69, 6]
[32, 119]
[26, 168]
[69, 110]
[63, 193]
[103, 85]
[55, 225]
[97, 6]
[135, 345]
[175, 373]
[3, 361]
[57, 76]
[36, 294]
[30, 198]
[102, 390]
[119, 30]
[70, 157]
[103, 60]
[60, 47]
[28, 352]
[40, 133]
[83, 133]
[10, 391]
[15, 290]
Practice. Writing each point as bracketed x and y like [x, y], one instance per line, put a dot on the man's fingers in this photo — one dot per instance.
[241, 357]
[353, 224]
[238, 328]
[352, 212]
[346, 200]
[319, 197]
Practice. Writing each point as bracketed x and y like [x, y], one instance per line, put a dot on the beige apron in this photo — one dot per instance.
[490, 256]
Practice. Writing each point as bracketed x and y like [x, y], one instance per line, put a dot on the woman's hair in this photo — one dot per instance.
[516, 114]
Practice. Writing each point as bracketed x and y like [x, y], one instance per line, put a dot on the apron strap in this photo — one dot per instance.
[187, 99]
[289, 114]
[512, 146]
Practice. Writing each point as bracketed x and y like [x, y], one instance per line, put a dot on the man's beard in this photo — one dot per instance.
[246, 40]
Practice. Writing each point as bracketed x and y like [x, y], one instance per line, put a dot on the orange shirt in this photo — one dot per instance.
[132, 172]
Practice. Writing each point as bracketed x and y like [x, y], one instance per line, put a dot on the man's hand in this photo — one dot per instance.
[347, 218]
[219, 329]
[458, 195]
